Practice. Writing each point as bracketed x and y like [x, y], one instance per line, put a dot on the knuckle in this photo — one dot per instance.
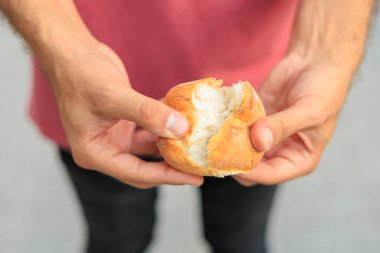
[317, 117]
[146, 111]
[137, 179]
[311, 168]
[283, 130]
[81, 157]
[99, 99]
[80, 160]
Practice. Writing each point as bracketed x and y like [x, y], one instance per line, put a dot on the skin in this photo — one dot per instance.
[86, 75]
[302, 96]
[306, 90]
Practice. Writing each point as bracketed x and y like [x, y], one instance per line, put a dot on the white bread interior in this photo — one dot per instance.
[218, 142]
[213, 105]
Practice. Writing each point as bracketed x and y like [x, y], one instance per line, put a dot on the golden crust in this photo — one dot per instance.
[230, 149]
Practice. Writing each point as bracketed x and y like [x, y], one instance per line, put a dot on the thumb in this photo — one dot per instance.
[149, 113]
[273, 129]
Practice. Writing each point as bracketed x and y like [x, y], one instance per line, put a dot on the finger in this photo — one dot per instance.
[144, 143]
[119, 134]
[148, 113]
[288, 164]
[244, 182]
[273, 129]
[131, 170]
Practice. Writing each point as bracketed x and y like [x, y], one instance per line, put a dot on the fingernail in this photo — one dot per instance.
[177, 125]
[267, 138]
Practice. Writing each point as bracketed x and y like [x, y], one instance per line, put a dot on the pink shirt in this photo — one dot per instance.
[166, 42]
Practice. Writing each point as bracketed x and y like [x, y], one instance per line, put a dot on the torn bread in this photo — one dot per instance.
[217, 143]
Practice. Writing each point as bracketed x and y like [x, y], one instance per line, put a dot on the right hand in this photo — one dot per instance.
[99, 111]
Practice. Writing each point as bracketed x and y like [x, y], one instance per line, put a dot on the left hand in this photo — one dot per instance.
[302, 99]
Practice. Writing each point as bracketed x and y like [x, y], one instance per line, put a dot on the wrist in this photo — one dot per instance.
[50, 28]
[331, 55]
[59, 39]
[323, 33]
[57, 43]
[340, 73]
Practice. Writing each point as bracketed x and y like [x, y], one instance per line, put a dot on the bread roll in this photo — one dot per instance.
[217, 143]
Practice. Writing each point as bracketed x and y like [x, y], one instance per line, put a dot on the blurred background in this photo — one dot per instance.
[336, 209]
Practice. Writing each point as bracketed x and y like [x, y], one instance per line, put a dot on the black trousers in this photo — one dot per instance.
[120, 218]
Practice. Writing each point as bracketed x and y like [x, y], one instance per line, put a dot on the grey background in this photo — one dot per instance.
[336, 209]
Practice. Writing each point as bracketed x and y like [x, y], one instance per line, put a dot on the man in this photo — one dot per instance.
[108, 61]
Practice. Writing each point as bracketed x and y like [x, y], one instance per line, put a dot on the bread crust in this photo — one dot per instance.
[230, 150]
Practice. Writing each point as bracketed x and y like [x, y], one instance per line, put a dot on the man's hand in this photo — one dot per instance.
[98, 107]
[100, 110]
[306, 90]
[302, 101]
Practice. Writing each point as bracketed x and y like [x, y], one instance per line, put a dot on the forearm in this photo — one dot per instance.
[51, 28]
[332, 32]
